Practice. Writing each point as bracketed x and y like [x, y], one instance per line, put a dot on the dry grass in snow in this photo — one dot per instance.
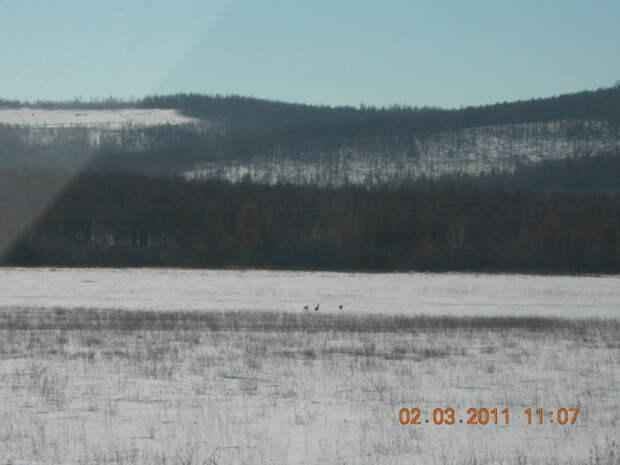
[110, 387]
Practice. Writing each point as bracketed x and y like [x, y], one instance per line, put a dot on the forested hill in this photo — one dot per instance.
[259, 115]
[521, 186]
[236, 138]
[133, 220]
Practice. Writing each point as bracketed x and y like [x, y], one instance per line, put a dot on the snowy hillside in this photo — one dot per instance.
[233, 138]
[378, 160]
[71, 138]
[92, 118]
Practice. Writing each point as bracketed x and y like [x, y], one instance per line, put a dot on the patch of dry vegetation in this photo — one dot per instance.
[92, 387]
[133, 320]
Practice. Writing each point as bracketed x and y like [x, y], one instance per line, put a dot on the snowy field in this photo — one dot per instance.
[109, 119]
[305, 389]
[227, 368]
[456, 294]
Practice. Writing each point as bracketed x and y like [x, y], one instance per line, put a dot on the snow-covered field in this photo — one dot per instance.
[198, 395]
[108, 119]
[385, 293]
[84, 386]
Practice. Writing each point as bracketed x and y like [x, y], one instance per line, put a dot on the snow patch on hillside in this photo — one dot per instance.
[108, 119]
[380, 160]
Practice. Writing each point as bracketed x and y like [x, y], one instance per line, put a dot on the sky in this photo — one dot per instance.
[446, 53]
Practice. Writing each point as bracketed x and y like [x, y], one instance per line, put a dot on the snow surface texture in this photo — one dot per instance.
[103, 119]
[380, 160]
[235, 397]
[385, 293]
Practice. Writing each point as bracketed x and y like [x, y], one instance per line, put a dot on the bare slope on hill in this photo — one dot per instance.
[98, 118]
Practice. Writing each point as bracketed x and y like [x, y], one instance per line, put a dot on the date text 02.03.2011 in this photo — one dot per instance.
[485, 416]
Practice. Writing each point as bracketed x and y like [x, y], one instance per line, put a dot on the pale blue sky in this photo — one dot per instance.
[419, 52]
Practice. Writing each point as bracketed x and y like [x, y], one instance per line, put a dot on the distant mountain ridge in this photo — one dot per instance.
[256, 114]
[271, 141]
[259, 114]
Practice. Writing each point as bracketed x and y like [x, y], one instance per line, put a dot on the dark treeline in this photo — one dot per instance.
[73, 104]
[598, 173]
[255, 114]
[258, 115]
[135, 220]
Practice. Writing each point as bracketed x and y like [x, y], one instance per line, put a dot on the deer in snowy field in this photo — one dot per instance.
[316, 309]
[306, 308]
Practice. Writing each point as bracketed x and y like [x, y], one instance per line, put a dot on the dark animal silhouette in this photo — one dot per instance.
[316, 309]
[340, 307]
[306, 308]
